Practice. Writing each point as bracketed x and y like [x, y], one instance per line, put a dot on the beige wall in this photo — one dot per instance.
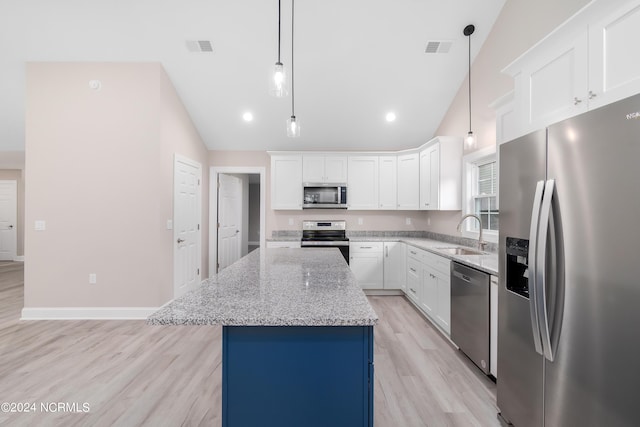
[99, 167]
[520, 25]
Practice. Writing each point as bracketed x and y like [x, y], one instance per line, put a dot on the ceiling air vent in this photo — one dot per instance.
[438, 46]
[199, 46]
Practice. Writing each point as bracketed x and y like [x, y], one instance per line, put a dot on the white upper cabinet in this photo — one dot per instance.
[409, 181]
[556, 87]
[589, 61]
[318, 168]
[614, 62]
[286, 182]
[388, 182]
[441, 174]
[362, 183]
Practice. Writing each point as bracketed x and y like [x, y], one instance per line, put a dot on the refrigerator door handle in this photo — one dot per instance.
[541, 270]
[533, 238]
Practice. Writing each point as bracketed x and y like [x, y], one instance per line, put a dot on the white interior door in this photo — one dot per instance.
[229, 220]
[8, 217]
[186, 225]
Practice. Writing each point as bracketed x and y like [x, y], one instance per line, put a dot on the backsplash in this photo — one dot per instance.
[455, 240]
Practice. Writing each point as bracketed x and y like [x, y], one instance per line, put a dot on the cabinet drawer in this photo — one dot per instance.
[366, 247]
[438, 263]
[415, 253]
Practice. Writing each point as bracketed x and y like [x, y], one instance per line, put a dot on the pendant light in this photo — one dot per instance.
[293, 125]
[470, 141]
[278, 80]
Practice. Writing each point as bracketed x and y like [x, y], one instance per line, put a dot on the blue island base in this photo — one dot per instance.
[297, 376]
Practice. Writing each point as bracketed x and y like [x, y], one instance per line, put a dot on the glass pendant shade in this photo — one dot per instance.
[278, 81]
[293, 127]
[470, 141]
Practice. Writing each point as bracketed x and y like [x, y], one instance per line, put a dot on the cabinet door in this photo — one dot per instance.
[414, 280]
[368, 269]
[286, 182]
[408, 182]
[429, 296]
[313, 168]
[388, 182]
[443, 306]
[395, 271]
[614, 64]
[555, 87]
[362, 185]
[430, 177]
[335, 169]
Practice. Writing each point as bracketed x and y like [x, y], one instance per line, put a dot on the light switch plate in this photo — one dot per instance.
[93, 279]
[169, 224]
[408, 221]
[40, 225]
[290, 221]
[360, 221]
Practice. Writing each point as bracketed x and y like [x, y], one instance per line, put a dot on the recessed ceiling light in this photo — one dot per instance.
[247, 117]
[391, 117]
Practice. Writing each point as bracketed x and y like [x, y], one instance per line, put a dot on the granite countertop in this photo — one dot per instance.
[275, 287]
[488, 262]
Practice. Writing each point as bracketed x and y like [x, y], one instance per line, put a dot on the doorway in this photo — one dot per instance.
[8, 220]
[237, 214]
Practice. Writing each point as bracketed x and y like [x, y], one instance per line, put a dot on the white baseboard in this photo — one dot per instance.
[19, 258]
[87, 313]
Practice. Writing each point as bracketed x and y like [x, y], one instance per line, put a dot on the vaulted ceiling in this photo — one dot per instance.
[355, 60]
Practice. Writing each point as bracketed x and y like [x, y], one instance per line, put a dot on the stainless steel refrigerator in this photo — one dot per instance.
[569, 299]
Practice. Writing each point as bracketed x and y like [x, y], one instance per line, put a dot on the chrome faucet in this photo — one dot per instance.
[481, 244]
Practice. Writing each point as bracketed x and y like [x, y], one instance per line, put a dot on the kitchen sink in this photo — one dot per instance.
[460, 251]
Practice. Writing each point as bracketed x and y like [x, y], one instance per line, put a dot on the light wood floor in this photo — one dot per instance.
[132, 374]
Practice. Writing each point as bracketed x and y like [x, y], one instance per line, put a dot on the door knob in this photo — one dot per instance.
[11, 226]
[180, 240]
[237, 231]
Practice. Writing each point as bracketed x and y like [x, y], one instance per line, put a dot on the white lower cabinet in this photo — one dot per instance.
[493, 327]
[414, 280]
[395, 260]
[429, 285]
[367, 264]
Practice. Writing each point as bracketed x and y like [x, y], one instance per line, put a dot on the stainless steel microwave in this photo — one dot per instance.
[324, 196]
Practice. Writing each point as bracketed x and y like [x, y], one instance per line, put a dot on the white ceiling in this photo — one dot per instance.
[355, 61]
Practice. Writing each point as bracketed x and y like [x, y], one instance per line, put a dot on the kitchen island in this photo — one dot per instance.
[297, 338]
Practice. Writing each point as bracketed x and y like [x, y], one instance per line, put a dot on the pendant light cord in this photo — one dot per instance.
[279, 30]
[469, 82]
[293, 113]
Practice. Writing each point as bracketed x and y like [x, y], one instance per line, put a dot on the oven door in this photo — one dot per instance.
[343, 246]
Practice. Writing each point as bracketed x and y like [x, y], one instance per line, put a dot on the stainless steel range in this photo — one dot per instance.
[326, 234]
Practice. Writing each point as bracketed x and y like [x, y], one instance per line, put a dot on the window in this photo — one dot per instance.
[484, 199]
[481, 194]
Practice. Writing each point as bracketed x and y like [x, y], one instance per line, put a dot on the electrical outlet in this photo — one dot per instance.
[40, 225]
[93, 278]
[290, 221]
[408, 221]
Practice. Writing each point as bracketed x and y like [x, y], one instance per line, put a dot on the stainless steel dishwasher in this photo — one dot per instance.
[470, 306]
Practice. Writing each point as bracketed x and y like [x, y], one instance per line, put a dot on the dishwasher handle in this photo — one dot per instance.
[477, 281]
